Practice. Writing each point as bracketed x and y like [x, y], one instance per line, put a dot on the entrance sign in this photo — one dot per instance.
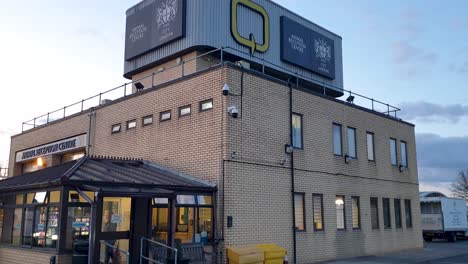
[307, 48]
[52, 148]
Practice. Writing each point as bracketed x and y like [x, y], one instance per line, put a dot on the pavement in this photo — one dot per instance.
[437, 252]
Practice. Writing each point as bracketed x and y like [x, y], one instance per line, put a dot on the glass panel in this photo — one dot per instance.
[185, 224]
[19, 199]
[109, 254]
[352, 142]
[1, 223]
[397, 207]
[409, 219]
[374, 213]
[30, 198]
[337, 140]
[28, 226]
[131, 124]
[161, 200]
[404, 159]
[18, 217]
[185, 199]
[52, 227]
[39, 197]
[116, 214]
[299, 211]
[160, 224]
[317, 206]
[77, 232]
[74, 197]
[205, 200]
[116, 128]
[148, 120]
[356, 212]
[340, 216]
[297, 130]
[386, 212]
[393, 152]
[54, 197]
[205, 225]
[72, 156]
[40, 227]
[185, 111]
[206, 105]
[370, 146]
[165, 115]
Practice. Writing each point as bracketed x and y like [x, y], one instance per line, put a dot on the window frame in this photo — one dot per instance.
[387, 214]
[373, 145]
[398, 221]
[376, 199]
[116, 125]
[344, 213]
[402, 142]
[354, 141]
[396, 151]
[304, 221]
[201, 103]
[147, 117]
[163, 113]
[322, 218]
[184, 107]
[129, 122]
[302, 130]
[409, 224]
[341, 139]
[358, 211]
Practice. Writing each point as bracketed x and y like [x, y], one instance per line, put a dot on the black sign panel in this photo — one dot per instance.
[307, 48]
[153, 23]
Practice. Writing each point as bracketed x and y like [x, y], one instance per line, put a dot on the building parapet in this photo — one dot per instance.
[216, 57]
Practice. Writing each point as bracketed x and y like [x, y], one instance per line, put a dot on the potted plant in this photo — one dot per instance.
[180, 256]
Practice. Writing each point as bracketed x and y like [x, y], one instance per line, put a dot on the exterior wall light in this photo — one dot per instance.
[401, 168]
[40, 162]
[347, 159]
[139, 86]
[288, 149]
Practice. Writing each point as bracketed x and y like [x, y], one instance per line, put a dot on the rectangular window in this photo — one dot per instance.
[393, 151]
[297, 130]
[28, 226]
[337, 142]
[352, 143]
[356, 212]
[370, 146]
[17, 220]
[131, 124]
[299, 211]
[340, 212]
[409, 218]
[374, 204]
[386, 213]
[403, 156]
[1, 223]
[397, 207]
[185, 110]
[317, 207]
[147, 120]
[116, 128]
[165, 116]
[206, 105]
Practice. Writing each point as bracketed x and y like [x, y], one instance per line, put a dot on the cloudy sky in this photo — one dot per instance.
[413, 54]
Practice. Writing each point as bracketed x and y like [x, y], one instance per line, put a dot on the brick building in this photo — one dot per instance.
[219, 147]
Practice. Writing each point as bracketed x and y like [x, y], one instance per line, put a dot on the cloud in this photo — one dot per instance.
[6, 132]
[461, 68]
[403, 52]
[88, 32]
[431, 112]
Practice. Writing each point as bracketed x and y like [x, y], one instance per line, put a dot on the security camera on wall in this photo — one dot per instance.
[226, 89]
[233, 111]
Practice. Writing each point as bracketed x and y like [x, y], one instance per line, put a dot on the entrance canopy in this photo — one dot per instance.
[134, 177]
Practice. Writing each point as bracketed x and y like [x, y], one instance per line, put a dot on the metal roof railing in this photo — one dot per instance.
[3, 173]
[123, 90]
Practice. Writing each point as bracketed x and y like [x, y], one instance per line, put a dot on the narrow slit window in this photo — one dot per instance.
[299, 211]
[374, 204]
[352, 151]
[185, 110]
[165, 116]
[206, 105]
[147, 120]
[337, 142]
[340, 212]
[116, 128]
[297, 131]
[131, 124]
[403, 156]
[393, 151]
[317, 207]
[370, 146]
[356, 212]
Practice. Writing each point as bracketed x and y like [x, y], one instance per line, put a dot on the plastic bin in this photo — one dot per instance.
[245, 255]
[273, 253]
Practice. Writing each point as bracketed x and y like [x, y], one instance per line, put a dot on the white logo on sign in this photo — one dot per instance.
[322, 50]
[167, 12]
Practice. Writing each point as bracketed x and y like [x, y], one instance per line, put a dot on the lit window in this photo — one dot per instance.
[161, 200]
[397, 207]
[409, 218]
[352, 143]
[299, 211]
[185, 199]
[317, 206]
[404, 157]
[39, 197]
[165, 116]
[131, 124]
[393, 151]
[340, 213]
[356, 212]
[147, 120]
[297, 131]
[204, 200]
[386, 213]
[337, 144]
[116, 128]
[370, 146]
[206, 105]
[374, 203]
[185, 110]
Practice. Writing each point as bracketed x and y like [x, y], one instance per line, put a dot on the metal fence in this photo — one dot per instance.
[214, 58]
[113, 252]
[156, 252]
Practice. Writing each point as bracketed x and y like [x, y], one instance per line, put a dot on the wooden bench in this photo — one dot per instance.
[195, 252]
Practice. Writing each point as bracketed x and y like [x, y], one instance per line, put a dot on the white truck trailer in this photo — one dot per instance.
[442, 217]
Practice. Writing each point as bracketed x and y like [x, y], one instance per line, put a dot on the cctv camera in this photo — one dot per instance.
[226, 89]
[233, 111]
